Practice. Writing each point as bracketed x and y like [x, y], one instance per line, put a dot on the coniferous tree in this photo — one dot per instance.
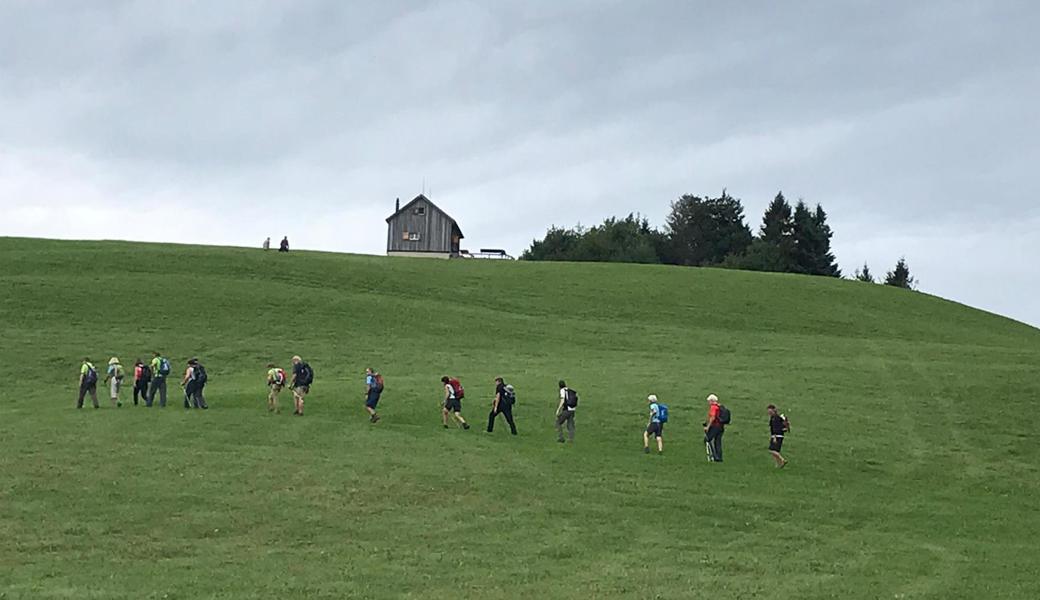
[774, 248]
[864, 274]
[900, 276]
[826, 263]
[804, 235]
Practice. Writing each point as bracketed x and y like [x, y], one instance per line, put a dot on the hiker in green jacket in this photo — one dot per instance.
[87, 383]
[160, 369]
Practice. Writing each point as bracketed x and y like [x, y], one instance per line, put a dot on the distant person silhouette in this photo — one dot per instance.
[284, 247]
[267, 244]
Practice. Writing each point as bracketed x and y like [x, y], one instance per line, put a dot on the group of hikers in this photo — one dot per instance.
[282, 247]
[150, 381]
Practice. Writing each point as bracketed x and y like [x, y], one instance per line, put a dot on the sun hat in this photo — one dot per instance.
[652, 397]
[113, 361]
[713, 398]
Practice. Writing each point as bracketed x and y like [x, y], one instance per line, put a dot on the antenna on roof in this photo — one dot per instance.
[398, 208]
[423, 186]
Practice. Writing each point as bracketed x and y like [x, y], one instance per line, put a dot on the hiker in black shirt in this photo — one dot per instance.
[284, 246]
[505, 397]
[778, 426]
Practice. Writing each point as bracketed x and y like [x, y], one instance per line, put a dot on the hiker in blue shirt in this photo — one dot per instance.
[373, 390]
[658, 417]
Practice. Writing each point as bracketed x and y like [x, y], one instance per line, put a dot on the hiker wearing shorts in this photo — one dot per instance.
[778, 426]
[275, 384]
[565, 412]
[160, 369]
[713, 430]
[373, 390]
[87, 383]
[505, 398]
[142, 377]
[655, 427]
[453, 394]
[303, 376]
[114, 378]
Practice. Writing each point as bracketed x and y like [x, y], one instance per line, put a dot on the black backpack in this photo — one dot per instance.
[306, 376]
[146, 372]
[724, 415]
[198, 374]
[509, 397]
[572, 399]
[90, 376]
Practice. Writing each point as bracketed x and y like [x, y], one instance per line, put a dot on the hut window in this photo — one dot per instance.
[414, 236]
[420, 210]
[404, 236]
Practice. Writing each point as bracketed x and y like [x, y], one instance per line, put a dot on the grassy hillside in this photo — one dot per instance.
[914, 468]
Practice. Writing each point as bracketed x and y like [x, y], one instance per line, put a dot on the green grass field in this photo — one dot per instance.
[914, 470]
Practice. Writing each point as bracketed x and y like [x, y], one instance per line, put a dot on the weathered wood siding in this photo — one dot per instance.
[434, 228]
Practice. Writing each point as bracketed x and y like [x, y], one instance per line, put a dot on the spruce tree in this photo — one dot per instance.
[900, 276]
[777, 232]
[864, 274]
[826, 263]
[805, 240]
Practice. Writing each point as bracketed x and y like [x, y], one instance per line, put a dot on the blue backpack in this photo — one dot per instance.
[662, 412]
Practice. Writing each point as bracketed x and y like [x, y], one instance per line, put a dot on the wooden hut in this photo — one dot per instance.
[420, 228]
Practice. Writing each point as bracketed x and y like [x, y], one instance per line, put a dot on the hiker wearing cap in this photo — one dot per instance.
[276, 381]
[142, 377]
[87, 383]
[778, 426]
[453, 395]
[194, 382]
[303, 377]
[114, 379]
[505, 398]
[714, 427]
[658, 417]
[160, 369]
[373, 390]
[565, 412]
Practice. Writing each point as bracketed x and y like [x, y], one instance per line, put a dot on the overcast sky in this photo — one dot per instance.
[915, 124]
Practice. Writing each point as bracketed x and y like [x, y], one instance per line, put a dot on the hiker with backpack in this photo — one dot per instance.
[778, 426]
[88, 377]
[714, 427]
[114, 378]
[303, 377]
[658, 417]
[142, 377]
[565, 412]
[505, 398]
[453, 395]
[284, 246]
[276, 381]
[160, 369]
[195, 378]
[373, 390]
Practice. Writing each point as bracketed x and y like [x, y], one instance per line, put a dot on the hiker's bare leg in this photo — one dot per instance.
[660, 444]
[646, 440]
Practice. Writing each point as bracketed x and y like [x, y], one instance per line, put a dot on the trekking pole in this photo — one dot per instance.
[707, 449]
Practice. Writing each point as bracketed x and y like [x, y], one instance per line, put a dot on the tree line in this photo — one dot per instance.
[711, 232]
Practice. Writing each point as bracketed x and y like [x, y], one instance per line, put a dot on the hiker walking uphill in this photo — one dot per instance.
[453, 395]
[142, 377]
[778, 426]
[565, 412]
[373, 391]
[284, 246]
[658, 417]
[88, 377]
[160, 370]
[302, 378]
[114, 378]
[276, 381]
[505, 398]
[714, 427]
[195, 378]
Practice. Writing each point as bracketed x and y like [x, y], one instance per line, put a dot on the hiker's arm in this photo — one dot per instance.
[494, 403]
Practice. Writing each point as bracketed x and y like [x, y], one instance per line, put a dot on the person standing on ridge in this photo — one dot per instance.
[88, 377]
[505, 398]
[142, 377]
[114, 378]
[267, 244]
[284, 246]
[373, 391]
[160, 369]
[453, 395]
[276, 381]
[565, 412]
[658, 417]
[303, 377]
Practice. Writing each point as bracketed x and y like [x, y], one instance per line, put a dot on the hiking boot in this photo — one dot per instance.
[646, 451]
[465, 425]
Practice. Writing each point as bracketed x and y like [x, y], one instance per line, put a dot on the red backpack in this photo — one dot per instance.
[456, 385]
